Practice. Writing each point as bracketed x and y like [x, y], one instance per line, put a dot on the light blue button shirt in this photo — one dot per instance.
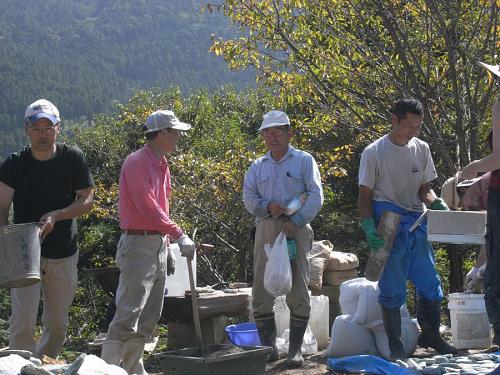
[268, 180]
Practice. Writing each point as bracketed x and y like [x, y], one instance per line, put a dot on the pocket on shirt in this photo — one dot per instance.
[263, 180]
[295, 182]
[263, 186]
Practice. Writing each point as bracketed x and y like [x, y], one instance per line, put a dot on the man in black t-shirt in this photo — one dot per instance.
[50, 183]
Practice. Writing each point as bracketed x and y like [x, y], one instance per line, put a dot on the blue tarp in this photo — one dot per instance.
[366, 364]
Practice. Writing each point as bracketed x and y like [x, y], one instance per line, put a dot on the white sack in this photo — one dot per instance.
[349, 338]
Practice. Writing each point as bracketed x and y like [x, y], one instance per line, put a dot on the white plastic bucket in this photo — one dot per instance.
[178, 283]
[20, 255]
[470, 327]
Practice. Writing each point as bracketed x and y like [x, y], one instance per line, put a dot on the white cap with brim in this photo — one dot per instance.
[164, 119]
[495, 69]
[274, 118]
[42, 109]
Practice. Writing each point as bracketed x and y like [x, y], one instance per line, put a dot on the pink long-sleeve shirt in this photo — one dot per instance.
[144, 191]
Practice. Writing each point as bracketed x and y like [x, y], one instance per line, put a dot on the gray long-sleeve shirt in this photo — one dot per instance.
[268, 180]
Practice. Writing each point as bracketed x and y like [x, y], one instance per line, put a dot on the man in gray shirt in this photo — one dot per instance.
[395, 175]
[272, 181]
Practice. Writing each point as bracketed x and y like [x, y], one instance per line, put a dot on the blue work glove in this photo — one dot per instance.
[439, 204]
[375, 242]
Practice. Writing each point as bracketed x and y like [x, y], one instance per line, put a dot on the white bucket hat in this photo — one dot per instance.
[163, 119]
[274, 118]
[42, 108]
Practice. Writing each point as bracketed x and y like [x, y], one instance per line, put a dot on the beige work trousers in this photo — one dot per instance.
[139, 299]
[298, 298]
[59, 279]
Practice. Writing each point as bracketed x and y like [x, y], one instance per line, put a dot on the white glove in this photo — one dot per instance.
[186, 246]
[471, 279]
[170, 261]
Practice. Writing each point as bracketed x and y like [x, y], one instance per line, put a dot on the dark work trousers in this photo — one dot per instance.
[492, 272]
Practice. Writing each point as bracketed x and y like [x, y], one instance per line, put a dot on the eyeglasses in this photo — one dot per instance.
[42, 130]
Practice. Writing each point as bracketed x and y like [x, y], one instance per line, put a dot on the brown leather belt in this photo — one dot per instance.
[142, 232]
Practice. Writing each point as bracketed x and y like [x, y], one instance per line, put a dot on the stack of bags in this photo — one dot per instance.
[329, 269]
[340, 267]
[360, 329]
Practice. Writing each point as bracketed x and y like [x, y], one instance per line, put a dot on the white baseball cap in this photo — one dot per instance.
[42, 109]
[274, 118]
[163, 119]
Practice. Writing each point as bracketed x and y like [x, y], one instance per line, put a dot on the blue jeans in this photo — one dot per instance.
[411, 258]
[491, 275]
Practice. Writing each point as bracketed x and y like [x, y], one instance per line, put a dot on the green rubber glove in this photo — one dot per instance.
[375, 242]
[439, 204]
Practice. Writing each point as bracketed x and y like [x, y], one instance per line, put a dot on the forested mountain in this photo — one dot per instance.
[85, 54]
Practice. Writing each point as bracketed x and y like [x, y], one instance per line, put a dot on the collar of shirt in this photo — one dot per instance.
[289, 153]
[154, 159]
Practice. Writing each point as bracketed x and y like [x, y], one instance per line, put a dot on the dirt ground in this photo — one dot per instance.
[315, 365]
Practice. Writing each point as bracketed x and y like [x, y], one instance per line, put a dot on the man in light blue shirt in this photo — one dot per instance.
[271, 183]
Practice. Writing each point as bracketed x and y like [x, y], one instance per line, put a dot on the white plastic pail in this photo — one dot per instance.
[20, 255]
[470, 327]
[178, 283]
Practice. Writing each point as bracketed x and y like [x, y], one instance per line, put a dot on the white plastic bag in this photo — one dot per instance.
[309, 344]
[278, 272]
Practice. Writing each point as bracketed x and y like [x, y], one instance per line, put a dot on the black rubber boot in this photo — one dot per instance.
[392, 325]
[267, 333]
[297, 330]
[429, 316]
[496, 332]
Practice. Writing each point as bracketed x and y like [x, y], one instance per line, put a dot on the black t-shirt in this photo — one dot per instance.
[44, 186]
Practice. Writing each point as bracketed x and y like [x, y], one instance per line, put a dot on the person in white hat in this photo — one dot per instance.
[143, 251]
[50, 183]
[272, 182]
[491, 163]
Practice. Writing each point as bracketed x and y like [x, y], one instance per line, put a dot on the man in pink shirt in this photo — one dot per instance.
[144, 244]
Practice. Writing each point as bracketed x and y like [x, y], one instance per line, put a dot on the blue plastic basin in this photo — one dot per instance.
[243, 334]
